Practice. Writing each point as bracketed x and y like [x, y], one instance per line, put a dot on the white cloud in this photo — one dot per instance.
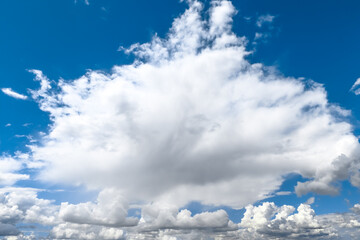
[347, 225]
[9, 166]
[264, 19]
[161, 216]
[193, 120]
[21, 205]
[166, 221]
[190, 120]
[21, 237]
[356, 208]
[110, 210]
[355, 87]
[310, 201]
[263, 37]
[85, 231]
[11, 93]
[85, 1]
[283, 193]
[268, 221]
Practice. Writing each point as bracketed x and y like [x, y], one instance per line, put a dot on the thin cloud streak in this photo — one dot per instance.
[13, 94]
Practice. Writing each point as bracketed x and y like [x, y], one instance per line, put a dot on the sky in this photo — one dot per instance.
[175, 120]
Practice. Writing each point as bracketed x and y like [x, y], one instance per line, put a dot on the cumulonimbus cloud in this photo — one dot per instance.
[193, 120]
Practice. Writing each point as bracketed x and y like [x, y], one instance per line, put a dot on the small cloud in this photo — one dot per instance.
[26, 124]
[356, 87]
[31, 139]
[356, 208]
[248, 19]
[264, 19]
[258, 35]
[283, 193]
[261, 37]
[11, 93]
[85, 1]
[310, 201]
[8, 125]
[20, 136]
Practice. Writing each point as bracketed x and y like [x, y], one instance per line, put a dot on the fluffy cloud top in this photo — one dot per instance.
[268, 220]
[192, 120]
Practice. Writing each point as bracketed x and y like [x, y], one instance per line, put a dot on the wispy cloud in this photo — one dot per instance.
[356, 87]
[263, 19]
[11, 93]
[85, 1]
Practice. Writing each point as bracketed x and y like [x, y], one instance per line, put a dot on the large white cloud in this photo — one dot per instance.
[192, 119]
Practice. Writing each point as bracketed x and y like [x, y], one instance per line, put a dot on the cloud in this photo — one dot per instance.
[341, 168]
[21, 237]
[86, 2]
[356, 208]
[346, 225]
[24, 206]
[283, 193]
[85, 231]
[160, 216]
[110, 210]
[272, 222]
[355, 87]
[9, 166]
[11, 93]
[261, 37]
[157, 222]
[8, 230]
[21, 205]
[192, 120]
[165, 221]
[264, 19]
[310, 201]
[280, 222]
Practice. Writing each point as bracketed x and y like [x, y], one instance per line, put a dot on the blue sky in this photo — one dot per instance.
[226, 109]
